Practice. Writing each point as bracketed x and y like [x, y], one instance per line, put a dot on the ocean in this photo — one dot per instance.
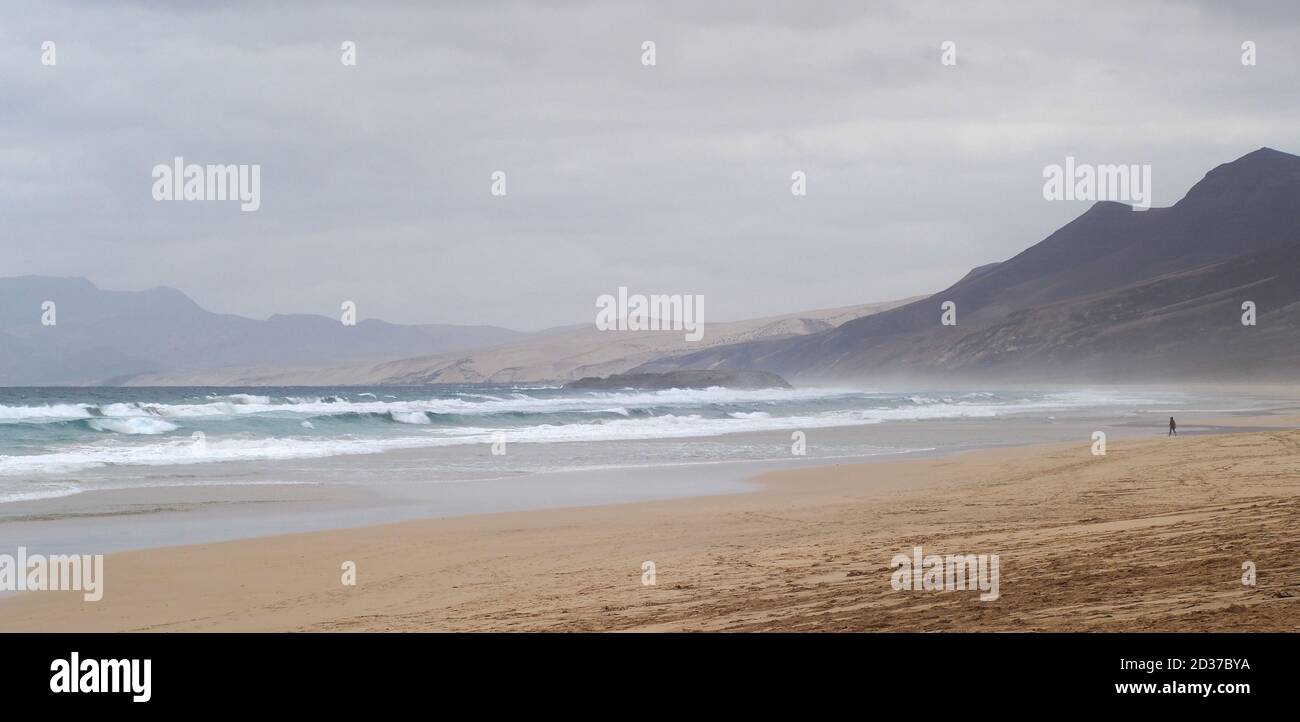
[61, 441]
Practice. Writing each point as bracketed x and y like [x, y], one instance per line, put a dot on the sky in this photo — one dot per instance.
[669, 178]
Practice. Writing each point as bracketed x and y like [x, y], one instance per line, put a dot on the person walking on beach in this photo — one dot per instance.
[1173, 427]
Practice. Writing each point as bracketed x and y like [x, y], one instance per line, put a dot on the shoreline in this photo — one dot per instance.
[808, 549]
[247, 500]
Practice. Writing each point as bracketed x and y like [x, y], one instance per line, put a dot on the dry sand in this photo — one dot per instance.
[1151, 536]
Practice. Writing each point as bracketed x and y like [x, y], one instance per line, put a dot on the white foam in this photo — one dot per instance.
[244, 398]
[864, 409]
[140, 425]
[53, 412]
[409, 417]
[238, 405]
[44, 491]
[621, 411]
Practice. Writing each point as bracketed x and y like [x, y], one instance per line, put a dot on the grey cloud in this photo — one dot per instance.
[665, 179]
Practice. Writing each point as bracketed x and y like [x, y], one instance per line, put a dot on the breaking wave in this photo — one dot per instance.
[154, 427]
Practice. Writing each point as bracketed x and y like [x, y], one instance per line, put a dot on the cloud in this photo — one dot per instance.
[670, 179]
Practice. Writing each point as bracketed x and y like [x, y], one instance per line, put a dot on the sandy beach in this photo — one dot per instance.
[1151, 536]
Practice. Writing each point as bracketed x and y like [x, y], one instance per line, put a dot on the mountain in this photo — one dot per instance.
[556, 355]
[1115, 295]
[106, 336]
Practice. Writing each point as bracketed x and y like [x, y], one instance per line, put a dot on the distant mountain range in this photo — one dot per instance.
[1116, 295]
[107, 337]
[557, 355]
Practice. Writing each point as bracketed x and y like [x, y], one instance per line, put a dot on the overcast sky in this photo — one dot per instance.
[666, 179]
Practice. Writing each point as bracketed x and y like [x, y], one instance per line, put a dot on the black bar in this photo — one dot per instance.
[945, 673]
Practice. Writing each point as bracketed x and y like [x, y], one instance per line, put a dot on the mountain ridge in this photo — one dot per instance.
[102, 336]
[1115, 293]
[549, 356]
[1235, 231]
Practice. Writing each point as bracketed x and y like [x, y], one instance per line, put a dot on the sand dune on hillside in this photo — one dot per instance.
[547, 357]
